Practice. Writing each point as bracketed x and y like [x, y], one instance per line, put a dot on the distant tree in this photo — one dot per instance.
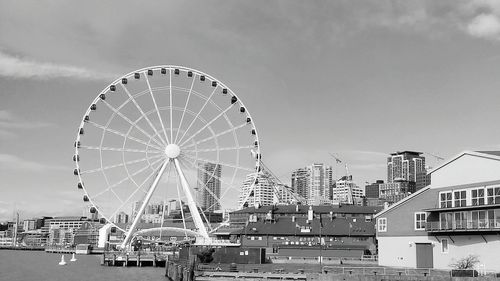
[468, 262]
[205, 256]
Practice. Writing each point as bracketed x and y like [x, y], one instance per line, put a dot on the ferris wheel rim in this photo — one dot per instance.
[144, 72]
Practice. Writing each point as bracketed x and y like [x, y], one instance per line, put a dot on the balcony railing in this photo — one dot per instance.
[463, 225]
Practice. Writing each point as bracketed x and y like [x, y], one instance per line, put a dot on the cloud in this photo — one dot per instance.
[13, 162]
[9, 122]
[485, 26]
[22, 67]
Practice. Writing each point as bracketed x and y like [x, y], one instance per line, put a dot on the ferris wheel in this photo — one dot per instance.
[165, 134]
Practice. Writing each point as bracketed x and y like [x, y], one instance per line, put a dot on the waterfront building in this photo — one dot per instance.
[457, 215]
[313, 183]
[346, 191]
[209, 186]
[257, 188]
[29, 225]
[61, 229]
[87, 233]
[246, 215]
[311, 235]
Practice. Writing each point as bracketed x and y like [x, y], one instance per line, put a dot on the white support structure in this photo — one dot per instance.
[137, 218]
[202, 230]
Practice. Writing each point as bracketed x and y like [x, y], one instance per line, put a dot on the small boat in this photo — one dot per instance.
[73, 258]
[62, 262]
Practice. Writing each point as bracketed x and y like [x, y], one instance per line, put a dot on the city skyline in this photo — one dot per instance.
[357, 79]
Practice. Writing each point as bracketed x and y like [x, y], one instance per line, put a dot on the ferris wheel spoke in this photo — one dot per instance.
[220, 149]
[116, 111]
[125, 179]
[193, 165]
[156, 107]
[229, 186]
[139, 188]
[206, 125]
[212, 175]
[143, 114]
[104, 168]
[145, 201]
[219, 163]
[119, 149]
[185, 108]
[198, 114]
[216, 136]
[180, 200]
[170, 95]
[123, 135]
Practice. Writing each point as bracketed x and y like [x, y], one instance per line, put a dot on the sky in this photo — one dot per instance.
[359, 79]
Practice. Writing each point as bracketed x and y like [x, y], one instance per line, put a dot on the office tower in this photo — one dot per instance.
[406, 174]
[208, 186]
[313, 183]
[407, 166]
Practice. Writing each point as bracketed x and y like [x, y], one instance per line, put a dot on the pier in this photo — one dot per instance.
[134, 259]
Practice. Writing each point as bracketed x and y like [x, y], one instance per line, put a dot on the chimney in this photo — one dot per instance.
[297, 208]
[293, 218]
[310, 213]
[386, 205]
[331, 215]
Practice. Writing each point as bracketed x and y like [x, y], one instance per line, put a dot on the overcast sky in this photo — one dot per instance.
[360, 79]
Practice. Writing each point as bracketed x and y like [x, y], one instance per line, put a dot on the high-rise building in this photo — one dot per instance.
[407, 166]
[300, 181]
[406, 174]
[313, 183]
[257, 188]
[208, 187]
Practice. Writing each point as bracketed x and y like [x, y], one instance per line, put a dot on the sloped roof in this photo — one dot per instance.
[302, 209]
[488, 154]
[335, 227]
[496, 153]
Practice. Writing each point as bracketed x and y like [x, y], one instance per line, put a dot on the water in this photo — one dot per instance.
[38, 265]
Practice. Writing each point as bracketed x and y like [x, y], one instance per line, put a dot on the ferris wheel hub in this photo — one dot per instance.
[172, 151]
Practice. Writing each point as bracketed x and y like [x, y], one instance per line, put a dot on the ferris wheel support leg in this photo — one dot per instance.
[191, 204]
[143, 206]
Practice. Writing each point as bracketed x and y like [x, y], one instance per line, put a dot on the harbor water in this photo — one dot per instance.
[38, 265]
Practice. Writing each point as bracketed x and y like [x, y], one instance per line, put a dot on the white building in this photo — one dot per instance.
[346, 191]
[456, 216]
[257, 189]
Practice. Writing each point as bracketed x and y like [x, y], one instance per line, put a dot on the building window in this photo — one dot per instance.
[460, 220]
[460, 198]
[420, 220]
[477, 196]
[382, 225]
[444, 245]
[445, 200]
[493, 195]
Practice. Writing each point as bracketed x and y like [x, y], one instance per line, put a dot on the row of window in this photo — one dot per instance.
[469, 197]
[476, 219]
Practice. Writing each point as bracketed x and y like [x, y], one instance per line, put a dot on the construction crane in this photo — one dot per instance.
[438, 158]
[350, 196]
[337, 160]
